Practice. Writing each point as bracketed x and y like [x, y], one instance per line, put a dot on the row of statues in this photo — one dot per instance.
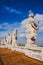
[10, 39]
[31, 33]
[30, 49]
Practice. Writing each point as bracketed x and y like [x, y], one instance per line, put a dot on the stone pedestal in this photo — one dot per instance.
[35, 52]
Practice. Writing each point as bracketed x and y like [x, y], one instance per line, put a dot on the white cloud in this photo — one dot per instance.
[7, 28]
[39, 40]
[3, 34]
[12, 10]
[15, 11]
[21, 32]
[22, 35]
[39, 17]
[24, 22]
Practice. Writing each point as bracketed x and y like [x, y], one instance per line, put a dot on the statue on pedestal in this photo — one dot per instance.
[31, 30]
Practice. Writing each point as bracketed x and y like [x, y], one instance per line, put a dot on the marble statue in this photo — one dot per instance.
[9, 39]
[14, 38]
[3, 42]
[31, 30]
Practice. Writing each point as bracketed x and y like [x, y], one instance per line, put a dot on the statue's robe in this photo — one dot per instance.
[9, 39]
[3, 42]
[31, 28]
[14, 38]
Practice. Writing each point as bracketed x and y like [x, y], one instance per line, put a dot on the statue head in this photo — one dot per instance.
[31, 15]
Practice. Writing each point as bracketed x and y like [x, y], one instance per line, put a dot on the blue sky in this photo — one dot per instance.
[14, 12]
